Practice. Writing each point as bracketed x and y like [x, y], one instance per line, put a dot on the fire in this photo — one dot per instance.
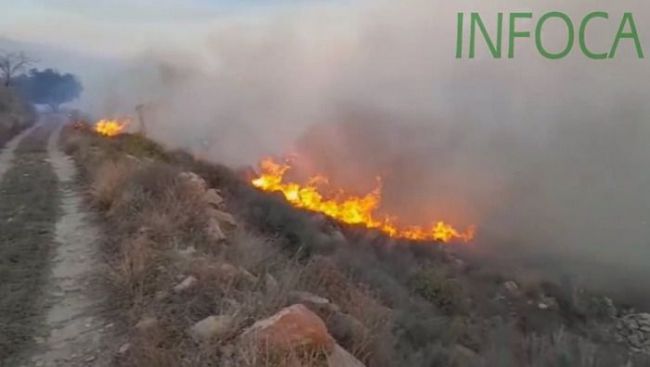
[351, 209]
[108, 127]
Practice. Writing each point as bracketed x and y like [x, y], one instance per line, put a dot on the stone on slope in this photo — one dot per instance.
[146, 323]
[226, 220]
[214, 230]
[186, 284]
[292, 327]
[212, 197]
[194, 181]
[211, 327]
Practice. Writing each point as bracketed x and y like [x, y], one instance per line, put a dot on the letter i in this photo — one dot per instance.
[459, 37]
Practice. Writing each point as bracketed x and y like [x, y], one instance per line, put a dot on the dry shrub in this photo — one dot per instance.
[258, 254]
[73, 142]
[251, 355]
[139, 146]
[108, 181]
[560, 349]
[135, 274]
[176, 220]
[89, 150]
[446, 293]
[152, 347]
[324, 278]
[155, 197]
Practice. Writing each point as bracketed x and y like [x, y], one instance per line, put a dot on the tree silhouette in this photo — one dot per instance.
[12, 64]
[49, 87]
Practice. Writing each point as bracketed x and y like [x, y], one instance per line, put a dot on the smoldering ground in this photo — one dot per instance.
[548, 158]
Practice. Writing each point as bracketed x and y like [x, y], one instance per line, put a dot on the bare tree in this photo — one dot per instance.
[13, 63]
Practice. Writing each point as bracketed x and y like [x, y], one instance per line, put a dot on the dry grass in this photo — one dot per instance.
[251, 356]
[108, 181]
[153, 216]
[15, 115]
[157, 229]
[371, 341]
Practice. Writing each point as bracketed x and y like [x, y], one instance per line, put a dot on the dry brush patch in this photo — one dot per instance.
[156, 222]
[399, 305]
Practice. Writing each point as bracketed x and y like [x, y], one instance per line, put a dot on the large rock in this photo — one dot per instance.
[342, 358]
[194, 181]
[634, 330]
[212, 327]
[212, 198]
[218, 221]
[226, 220]
[292, 327]
[214, 230]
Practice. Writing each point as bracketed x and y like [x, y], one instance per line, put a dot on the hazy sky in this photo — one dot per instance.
[122, 27]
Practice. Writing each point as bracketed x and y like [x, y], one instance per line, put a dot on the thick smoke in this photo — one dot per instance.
[548, 158]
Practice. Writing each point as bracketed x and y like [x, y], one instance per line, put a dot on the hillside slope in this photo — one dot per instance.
[206, 270]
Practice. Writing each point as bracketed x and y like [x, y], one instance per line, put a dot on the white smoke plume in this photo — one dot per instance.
[546, 157]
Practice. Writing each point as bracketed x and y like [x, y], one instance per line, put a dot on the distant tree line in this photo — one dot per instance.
[46, 87]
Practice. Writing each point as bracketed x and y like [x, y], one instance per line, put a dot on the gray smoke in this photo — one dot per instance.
[548, 158]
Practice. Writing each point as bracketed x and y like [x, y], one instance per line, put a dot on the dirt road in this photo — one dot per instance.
[49, 294]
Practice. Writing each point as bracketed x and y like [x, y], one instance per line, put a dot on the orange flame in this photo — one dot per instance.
[108, 127]
[350, 209]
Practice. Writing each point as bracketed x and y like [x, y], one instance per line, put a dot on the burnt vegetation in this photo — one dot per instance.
[389, 303]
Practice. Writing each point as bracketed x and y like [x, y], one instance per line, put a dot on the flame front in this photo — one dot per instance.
[350, 209]
[108, 127]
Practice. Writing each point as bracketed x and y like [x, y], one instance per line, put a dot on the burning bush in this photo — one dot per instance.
[111, 127]
[350, 209]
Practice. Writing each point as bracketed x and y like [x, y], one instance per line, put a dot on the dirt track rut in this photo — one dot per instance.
[50, 301]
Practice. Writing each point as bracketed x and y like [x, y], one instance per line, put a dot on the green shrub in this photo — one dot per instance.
[434, 286]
